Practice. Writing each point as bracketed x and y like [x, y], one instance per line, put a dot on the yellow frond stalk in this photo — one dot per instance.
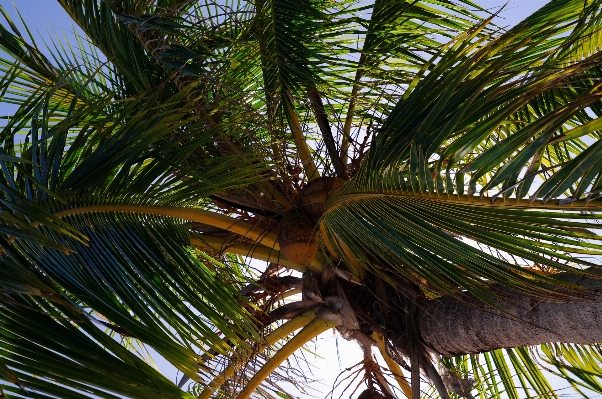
[301, 143]
[312, 330]
[255, 251]
[467, 200]
[393, 366]
[347, 127]
[245, 354]
[257, 234]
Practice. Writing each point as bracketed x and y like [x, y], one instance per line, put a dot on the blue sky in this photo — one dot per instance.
[43, 16]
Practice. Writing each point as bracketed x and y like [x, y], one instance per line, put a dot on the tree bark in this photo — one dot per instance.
[453, 327]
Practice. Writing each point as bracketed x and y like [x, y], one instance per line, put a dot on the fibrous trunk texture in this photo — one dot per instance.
[452, 327]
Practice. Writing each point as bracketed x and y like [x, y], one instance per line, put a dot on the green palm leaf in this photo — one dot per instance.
[467, 127]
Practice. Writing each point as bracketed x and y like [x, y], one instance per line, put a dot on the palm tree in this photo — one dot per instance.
[223, 181]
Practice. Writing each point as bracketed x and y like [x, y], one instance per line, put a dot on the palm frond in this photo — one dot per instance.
[52, 349]
[578, 364]
[468, 126]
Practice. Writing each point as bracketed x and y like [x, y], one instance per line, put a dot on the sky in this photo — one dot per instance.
[46, 18]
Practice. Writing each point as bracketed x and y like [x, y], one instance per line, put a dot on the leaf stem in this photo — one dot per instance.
[256, 251]
[310, 331]
[393, 366]
[346, 139]
[244, 355]
[324, 125]
[237, 226]
[469, 200]
[301, 142]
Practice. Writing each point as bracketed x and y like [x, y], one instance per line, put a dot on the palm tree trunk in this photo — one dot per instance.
[452, 327]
